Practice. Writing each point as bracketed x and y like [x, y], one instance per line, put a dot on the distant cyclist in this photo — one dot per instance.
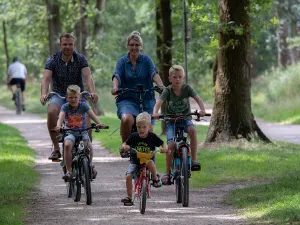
[17, 74]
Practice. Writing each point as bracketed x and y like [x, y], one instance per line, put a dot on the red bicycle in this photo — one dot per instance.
[143, 182]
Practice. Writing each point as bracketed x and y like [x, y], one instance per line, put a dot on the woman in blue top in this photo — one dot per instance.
[132, 69]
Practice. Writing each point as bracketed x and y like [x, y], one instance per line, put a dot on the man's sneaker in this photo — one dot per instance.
[196, 166]
[55, 155]
[127, 201]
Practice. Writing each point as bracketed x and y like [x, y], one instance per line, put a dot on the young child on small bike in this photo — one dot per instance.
[176, 96]
[143, 141]
[74, 113]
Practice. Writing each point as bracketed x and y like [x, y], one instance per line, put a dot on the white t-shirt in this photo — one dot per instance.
[17, 70]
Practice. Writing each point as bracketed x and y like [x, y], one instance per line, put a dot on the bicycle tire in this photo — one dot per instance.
[178, 186]
[86, 180]
[143, 197]
[184, 174]
[76, 185]
[18, 102]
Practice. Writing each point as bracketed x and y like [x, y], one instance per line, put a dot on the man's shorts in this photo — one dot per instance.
[15, 81]
[171, 128]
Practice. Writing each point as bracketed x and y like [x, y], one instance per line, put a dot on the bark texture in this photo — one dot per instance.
[232, 115]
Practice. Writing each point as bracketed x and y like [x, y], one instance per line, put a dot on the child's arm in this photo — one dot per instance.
[125, 146]
[157, 106]
[60, 120]
[95, 118]
[200, 104]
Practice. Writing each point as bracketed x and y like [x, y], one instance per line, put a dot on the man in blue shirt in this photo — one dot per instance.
[61, 70]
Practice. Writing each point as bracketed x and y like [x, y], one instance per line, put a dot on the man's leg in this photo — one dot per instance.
[53, 112]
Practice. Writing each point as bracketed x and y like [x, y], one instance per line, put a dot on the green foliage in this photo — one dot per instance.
[275, 95]
[17, 175]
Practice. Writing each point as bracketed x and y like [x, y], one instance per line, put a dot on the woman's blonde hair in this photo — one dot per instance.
[134, 35]
[177, 68]
[72, 89]
[144, 116]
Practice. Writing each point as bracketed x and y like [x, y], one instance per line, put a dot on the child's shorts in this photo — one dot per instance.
[72, 136]
[171, 128]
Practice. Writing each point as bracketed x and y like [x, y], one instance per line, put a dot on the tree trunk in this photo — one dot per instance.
[284, 57]
[165, 14]
[54, 25]
[164, 44]
[232, 116]
[5, 44]
[99, 20]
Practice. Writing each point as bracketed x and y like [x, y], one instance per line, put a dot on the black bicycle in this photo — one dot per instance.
[81, 166]
[181, 163]
[18, 99]
[141, 92]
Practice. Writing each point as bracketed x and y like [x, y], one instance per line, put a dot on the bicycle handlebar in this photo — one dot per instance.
[172, 117]
[94, 126]
[85, 94]
[139, 90]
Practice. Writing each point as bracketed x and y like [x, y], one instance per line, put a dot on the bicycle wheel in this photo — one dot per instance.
[18, 102]
[76, 185]
[86, 181]
[178, 186]
[184, 177]
[70, 188]
[143, 197]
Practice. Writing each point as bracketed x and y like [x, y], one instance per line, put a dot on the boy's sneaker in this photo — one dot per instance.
[157, 183]
[67, 177]
[127, 201]
[196, 166]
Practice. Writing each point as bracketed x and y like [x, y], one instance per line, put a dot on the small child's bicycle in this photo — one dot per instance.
[143, 182]
[181, 163]
[81, 166]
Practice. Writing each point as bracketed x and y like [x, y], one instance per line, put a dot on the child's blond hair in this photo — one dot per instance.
[177, 68]
[144, 116]
[73, 89]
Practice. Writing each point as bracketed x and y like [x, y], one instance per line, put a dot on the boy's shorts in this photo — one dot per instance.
[131, 168]
[60, 101]
[72, 136]
[171, 128]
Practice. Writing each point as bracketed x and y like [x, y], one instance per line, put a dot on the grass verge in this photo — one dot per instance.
[17, 177]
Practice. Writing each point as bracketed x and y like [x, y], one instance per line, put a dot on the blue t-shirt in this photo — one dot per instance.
[75, 118]
[129, 78]
[65, 74]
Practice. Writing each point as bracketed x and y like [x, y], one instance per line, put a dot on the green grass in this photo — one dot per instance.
[17, 177]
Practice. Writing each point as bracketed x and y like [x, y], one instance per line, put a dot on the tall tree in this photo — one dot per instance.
[166, 47]
[99, 20]
[5, 43]
[232, 116]
[54, 25]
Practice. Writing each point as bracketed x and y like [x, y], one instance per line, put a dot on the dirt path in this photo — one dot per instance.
[51, 205]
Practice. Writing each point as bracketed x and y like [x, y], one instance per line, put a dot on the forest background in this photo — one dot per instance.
[31, 31]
